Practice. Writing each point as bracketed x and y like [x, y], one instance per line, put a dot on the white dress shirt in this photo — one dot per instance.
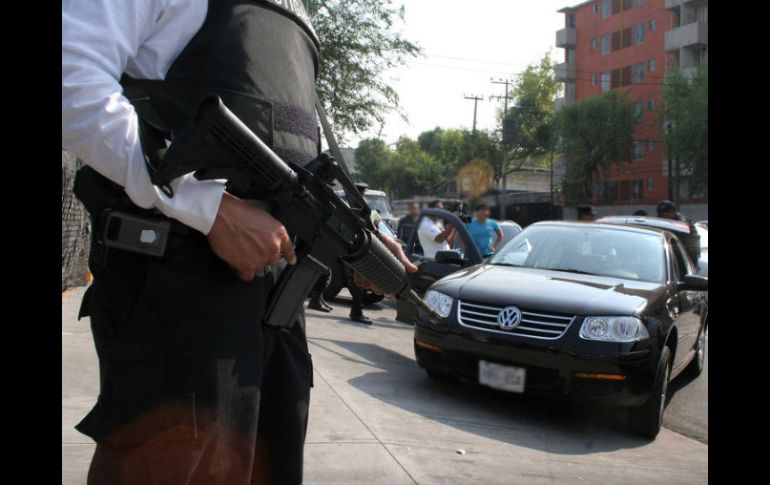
[101, 40]
[427, 233]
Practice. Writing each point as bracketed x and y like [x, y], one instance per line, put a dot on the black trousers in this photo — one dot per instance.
[194, 389]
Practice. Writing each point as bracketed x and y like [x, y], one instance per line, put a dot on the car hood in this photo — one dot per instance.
[553, 291]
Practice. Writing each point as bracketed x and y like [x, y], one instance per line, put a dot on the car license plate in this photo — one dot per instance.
[502, 377]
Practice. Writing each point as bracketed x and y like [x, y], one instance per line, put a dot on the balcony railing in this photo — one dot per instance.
[565, 71]
[690, 35]
[566, 37]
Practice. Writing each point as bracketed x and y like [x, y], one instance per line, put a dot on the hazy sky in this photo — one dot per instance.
[465, 43]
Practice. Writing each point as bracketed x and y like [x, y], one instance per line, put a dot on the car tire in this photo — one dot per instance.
[337, 281]
[695, 367]
[647, 419]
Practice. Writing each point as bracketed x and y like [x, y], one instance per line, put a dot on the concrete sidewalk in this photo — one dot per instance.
[376, 418]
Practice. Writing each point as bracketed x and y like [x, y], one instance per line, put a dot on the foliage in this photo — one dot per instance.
[359, 42]
[686, 120]
[594, 132]
[424, 166]
[534, 113]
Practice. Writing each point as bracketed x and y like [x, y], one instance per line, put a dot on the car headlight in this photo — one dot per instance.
[613, 329]
[439, 303]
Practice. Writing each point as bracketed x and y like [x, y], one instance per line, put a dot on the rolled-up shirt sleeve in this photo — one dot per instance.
[99, 125]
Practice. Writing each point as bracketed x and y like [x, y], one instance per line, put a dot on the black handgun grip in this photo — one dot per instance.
[376, 263]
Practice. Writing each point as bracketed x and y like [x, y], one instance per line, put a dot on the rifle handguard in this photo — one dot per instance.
[378, 265]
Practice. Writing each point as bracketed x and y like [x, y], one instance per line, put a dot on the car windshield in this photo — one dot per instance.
[586, 250]
[379, 203]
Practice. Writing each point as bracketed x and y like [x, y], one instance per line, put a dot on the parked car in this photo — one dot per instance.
[510, 229]
[597, 313]
[694, 236]
[378, 200]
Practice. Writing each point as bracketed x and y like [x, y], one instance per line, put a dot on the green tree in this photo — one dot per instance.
[595, 132]
[685, 120]
[534, 116]
[359, 42]
[374, 163]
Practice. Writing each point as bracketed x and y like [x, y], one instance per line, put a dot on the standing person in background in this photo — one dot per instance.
[485, 230]
[317, 300]
[432, 234]
[357, 292]
[667, 210]
[408, 223]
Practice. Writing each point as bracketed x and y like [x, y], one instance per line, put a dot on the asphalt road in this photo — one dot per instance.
[376, 418]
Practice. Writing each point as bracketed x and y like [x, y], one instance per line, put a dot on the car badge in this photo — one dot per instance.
[509, 318]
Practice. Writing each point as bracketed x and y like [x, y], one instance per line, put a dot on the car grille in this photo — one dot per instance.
[533, 324]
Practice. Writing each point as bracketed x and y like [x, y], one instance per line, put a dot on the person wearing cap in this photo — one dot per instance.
[585, 213]
[667, 210]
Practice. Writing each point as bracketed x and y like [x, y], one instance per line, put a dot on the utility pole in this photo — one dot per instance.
[475, 100]
[506, 82]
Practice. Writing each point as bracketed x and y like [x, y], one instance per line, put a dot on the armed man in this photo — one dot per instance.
[196, 385]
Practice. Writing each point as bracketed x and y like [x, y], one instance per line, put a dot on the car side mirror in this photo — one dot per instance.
[449, 257]
[693, 283]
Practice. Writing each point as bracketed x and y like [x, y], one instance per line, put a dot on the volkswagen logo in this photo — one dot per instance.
[509, 318]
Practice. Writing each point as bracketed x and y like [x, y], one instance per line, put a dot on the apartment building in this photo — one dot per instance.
[627, 45]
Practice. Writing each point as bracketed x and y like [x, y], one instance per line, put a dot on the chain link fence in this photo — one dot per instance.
[75, 228]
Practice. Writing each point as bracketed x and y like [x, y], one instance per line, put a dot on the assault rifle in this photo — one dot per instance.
[214, 143]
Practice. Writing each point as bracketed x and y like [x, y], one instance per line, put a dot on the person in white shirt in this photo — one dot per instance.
[433, 236]
[194, 387]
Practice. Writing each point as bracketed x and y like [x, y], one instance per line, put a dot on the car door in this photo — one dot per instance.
[687, 304]
[431, 270]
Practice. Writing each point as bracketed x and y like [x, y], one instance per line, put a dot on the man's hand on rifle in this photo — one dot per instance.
[247, 238]
[398, 252]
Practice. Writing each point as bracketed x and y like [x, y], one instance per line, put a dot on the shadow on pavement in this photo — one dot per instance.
[527, 421]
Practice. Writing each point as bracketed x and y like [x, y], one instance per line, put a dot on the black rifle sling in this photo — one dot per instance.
[355, 198]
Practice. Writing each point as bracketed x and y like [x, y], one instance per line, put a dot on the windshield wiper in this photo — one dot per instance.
[576, 271]
[508, 264]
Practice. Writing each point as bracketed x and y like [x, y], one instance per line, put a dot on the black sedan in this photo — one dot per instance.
[598, 313]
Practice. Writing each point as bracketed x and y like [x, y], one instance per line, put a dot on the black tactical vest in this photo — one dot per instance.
[261, 58]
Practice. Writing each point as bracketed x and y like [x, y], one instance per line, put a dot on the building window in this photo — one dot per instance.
[594, 7]
[650, 184]
[638, 3]
[639, 34]
[606, 44]
[638, 150]
[593, 79]
[593, 43]
[571, 20]
[605, 81]
[651, 65]
[650, 104]
[652, 25]
[638, 115]
[637, 73]
[606, 8]
[625, 79]
[651, 145]
[570, 55]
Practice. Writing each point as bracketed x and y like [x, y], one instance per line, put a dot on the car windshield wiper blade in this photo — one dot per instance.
[573, 270]
[508, 264]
